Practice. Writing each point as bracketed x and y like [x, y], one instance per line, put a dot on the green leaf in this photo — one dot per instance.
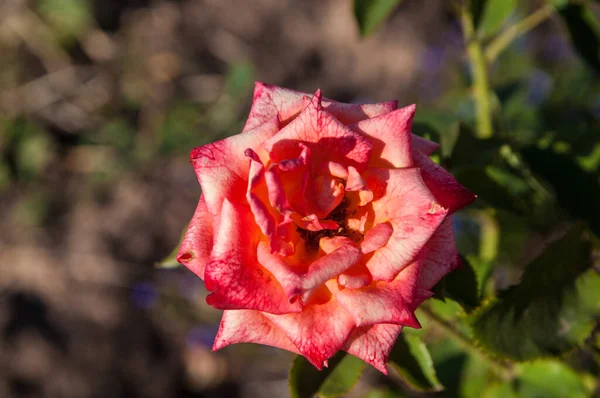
[410, 357]
[480, 181]
[551, 311]
[477, 7]
[171, 260]
[576, 190]
[584, 31]
[499, 390]
[70, 18]
[461, 286]
[550, 379]
[370, 13]
[306, 381]
[494, 14]
[240, 79]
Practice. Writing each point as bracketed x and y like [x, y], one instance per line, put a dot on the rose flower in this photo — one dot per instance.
[322, 226]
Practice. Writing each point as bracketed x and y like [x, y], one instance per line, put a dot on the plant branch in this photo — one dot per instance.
[501, 369]
[480, 74]
[500, 43]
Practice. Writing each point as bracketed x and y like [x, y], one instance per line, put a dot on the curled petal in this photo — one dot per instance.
[233, 274]
[354, 182]
[327, 193]
[312, 223]
[439, 256]
[222, 169]
[328, 139]
[301, 284]
[319, 331]
[373, 344]
[266, 221]
[376, 237]
[355, 277]
[447, 191]
[391, 137]
[269, 102]
[423, 145]
[406, 203]
[197, 241]
[381, 302]
[353, 113]
[247, 326]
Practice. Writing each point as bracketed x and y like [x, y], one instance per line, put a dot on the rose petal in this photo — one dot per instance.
[301, 284]
[376, 237]
[447, 191]
[222, 169]
[319, 331]
[423, 145]
[355, 277]
[373, 344]
[269, 101]
[381, 302]
[391, 137]
[233, 273]
[326, 194]
[328, 139]
[247, 326]
[354, 182]
[197, 241]
[439, 256]
[312, 222]
[405, 202]
[352, 113]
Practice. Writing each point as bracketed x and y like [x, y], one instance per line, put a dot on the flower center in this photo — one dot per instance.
[339, 215]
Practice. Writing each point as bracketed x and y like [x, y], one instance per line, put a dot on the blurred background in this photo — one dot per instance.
[100, 104]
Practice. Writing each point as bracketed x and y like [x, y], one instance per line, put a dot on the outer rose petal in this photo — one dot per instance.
[327, 138]
[382, 302]
[373, 344]
[222, 168]
[439, 256]
[270, 101]
[424, 146]
[319, 331]
[197, 241]
[412, 212]
[247, 326]
[391, 137]
[233, 273]
[352, 113]
[447, 191]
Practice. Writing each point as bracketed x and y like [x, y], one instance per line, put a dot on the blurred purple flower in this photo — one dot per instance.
[201, 335]
[556, 48]
[144, 294]
[189, 285]
[539, 86]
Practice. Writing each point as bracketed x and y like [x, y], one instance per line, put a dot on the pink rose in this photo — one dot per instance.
[322, 226]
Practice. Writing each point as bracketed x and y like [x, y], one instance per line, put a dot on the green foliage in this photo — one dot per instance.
[371, 13]
[411, 358]
[179, 131]
[551, 311]
[69, 18]
[461, 286]
[494, 14]
[551, 379]
[338, 378]
[584, 30]
[576, 190]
